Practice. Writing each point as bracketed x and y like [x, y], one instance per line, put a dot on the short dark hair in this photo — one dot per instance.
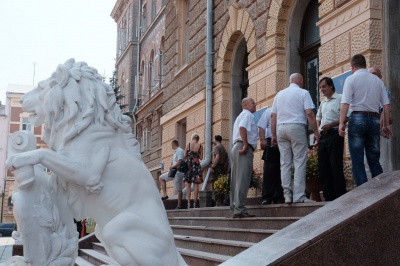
[328, 82]
[358, 61]
[218, 138]
[175, 142]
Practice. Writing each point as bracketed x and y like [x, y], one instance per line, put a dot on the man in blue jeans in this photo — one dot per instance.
[364, 93]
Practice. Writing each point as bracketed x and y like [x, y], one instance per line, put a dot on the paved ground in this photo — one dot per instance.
[5, 248]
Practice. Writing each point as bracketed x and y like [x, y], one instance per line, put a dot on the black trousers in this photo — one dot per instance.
[272, 190]
[330, 165]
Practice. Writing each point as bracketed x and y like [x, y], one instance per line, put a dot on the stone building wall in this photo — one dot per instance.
[151, 88]
[346, 28]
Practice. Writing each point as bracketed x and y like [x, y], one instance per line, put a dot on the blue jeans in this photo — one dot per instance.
[364, 134]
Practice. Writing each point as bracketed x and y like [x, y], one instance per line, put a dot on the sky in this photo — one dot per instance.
[49, 32]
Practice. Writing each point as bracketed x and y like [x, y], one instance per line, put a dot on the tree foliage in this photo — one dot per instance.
[117, 91]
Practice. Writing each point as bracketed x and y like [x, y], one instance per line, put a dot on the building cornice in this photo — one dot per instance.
[119, 9]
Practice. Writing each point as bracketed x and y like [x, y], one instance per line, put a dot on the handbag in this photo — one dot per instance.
[172, 172]
[271, 154]
[183, 166]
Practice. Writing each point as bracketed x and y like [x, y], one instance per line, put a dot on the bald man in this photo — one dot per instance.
[244, 137]
[292, 108]
[384, 141]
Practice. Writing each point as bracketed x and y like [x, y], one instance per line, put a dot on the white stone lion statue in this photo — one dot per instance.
[96, 165]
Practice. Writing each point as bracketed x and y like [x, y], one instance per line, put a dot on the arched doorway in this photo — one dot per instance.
[239, 79]
[303, 42]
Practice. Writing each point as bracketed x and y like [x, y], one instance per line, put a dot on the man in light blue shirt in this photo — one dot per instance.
[178, 178]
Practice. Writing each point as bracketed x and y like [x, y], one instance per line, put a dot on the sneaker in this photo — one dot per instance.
[194, 206]
[288, 199]
[266, 202]
[164, 198]
[306, 200]
[178, 208]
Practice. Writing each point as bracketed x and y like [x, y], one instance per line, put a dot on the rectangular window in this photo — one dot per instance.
[181, 133]
[161, 70]
[153, 10]
[26, 125]
[144, 19]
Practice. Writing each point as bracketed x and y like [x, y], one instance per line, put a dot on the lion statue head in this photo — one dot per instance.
[70, 100]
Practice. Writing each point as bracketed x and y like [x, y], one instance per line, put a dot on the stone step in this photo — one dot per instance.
[274, 210]
[247, 235]
[96, 257]
[269, 223]
[201, 258]
[219, 246]
[99, 247]
[79, 261]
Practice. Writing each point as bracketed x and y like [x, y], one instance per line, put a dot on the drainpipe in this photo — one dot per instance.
[139, 30]
[209, 74]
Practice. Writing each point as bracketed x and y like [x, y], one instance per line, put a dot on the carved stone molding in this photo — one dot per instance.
[347, 17]
[266, 66]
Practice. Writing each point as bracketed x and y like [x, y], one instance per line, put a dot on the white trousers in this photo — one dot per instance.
[293, 145]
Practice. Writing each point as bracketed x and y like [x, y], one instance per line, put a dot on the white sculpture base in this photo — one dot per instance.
[97, 172]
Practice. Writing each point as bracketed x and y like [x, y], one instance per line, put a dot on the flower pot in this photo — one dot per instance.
[313, 186]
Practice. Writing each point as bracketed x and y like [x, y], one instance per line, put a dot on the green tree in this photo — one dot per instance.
[117, 91]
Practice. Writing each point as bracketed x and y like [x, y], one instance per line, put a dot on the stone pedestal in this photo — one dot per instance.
[205, 198]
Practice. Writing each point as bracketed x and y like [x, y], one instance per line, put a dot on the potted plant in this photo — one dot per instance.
[313, 181]
[222, 187]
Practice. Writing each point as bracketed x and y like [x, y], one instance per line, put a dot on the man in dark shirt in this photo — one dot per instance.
[219, 165]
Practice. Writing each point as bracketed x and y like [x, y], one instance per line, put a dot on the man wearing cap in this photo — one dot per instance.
[244, 137]
[363, 94]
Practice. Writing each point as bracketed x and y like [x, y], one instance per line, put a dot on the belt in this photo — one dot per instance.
[367, 113]
[332, 130]
[241, 141]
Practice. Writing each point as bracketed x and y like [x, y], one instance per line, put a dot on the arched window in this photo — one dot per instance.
[151, 73]
[310, 42]
[142, 81]
[161, 72]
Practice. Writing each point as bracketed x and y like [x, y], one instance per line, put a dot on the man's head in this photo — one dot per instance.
[358, 62]
[296, 78]
[326, 86]
[218, 139]
[249, 104]
[375, 71]
[174, 144]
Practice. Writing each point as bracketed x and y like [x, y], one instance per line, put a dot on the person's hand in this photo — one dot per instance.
[243, 150]
[316, 139]
[263, 144]
[342, 130]
[387, 131]
[170, 167]
[326, 127]
[274, 141]
[212, 171]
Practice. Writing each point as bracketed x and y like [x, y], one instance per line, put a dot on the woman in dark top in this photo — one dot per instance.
[193, 155]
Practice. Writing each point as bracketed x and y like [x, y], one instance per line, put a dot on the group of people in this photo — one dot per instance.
[282, 131]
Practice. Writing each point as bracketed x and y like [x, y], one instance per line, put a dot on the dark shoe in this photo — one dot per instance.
[243, 215]
[178, 208]
[164, 198]
[266, 202]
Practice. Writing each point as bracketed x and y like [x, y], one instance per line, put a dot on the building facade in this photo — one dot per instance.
[125, 13]
[3, 147]
[17, 120]
[257, 44]
[149, 77]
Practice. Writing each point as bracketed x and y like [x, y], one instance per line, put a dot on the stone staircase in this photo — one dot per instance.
[209, 236]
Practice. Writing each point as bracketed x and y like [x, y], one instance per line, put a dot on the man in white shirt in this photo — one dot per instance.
[244, 139]
[364, 93]
[330, 147]
[292, 108]
[272, 191]
[178, 179]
